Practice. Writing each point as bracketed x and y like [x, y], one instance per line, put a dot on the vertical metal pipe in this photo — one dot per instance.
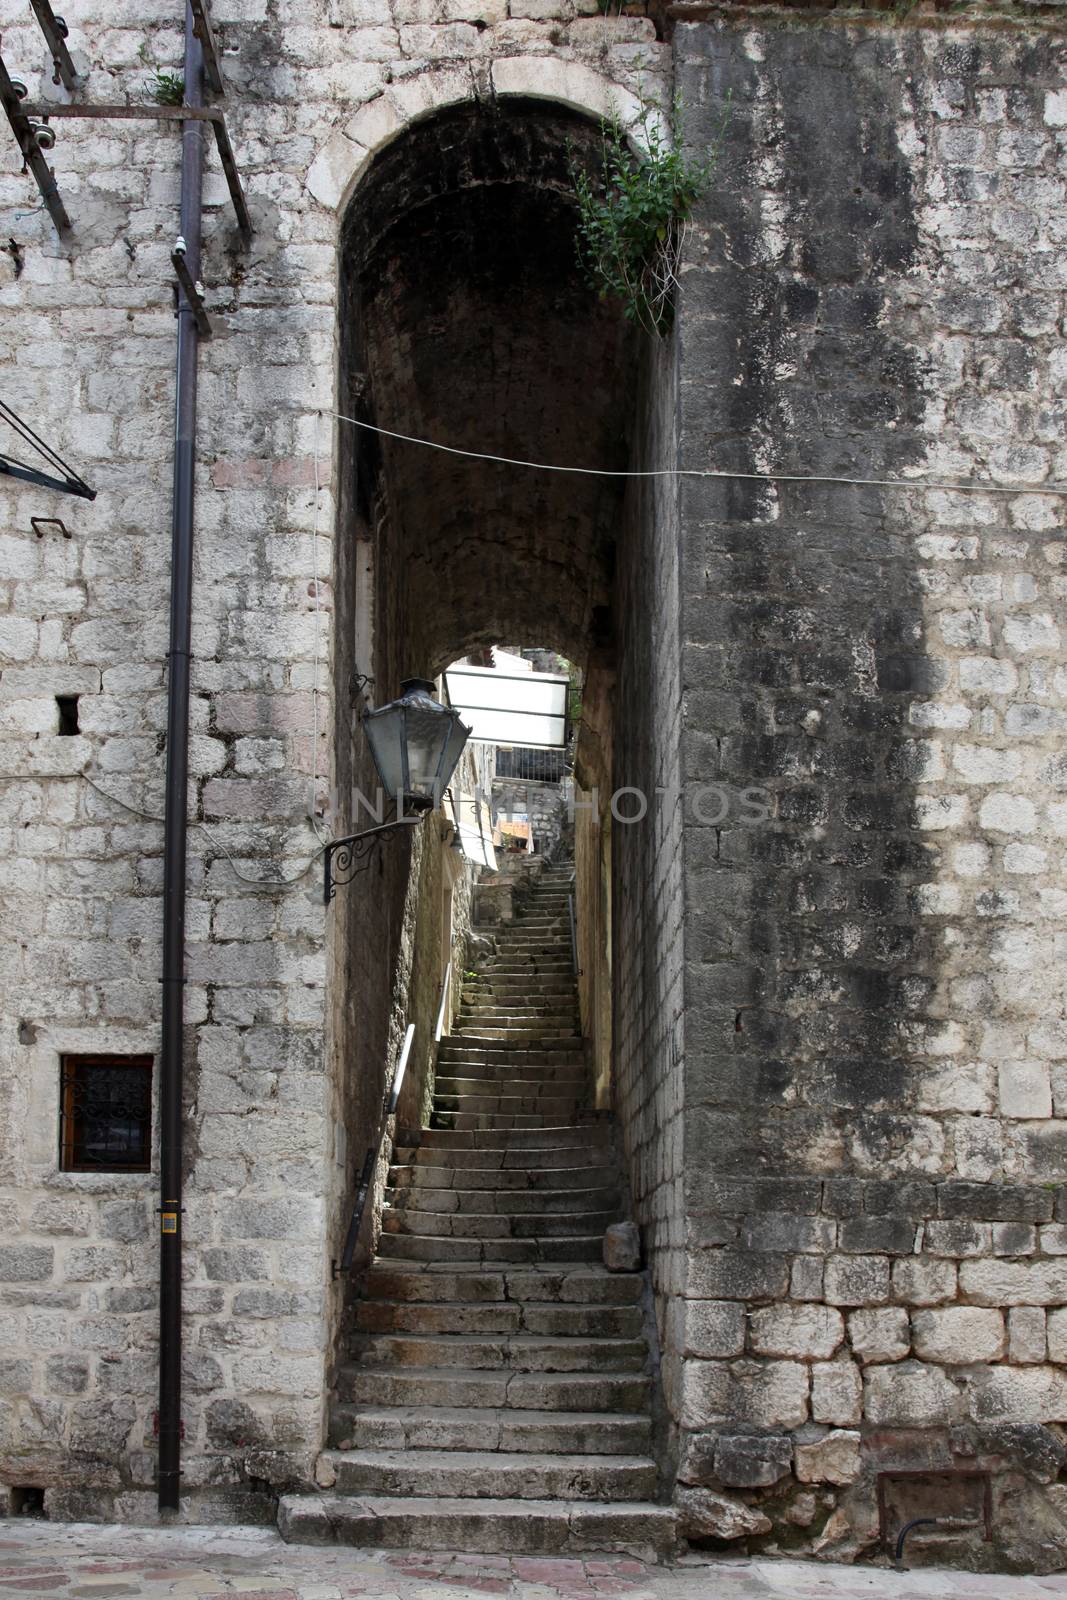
[174, 843]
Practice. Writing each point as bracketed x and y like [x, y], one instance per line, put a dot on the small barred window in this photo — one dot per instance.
[105, 1114]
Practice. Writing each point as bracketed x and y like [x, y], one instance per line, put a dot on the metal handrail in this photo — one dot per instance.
[446, 990]
[338, 1269]
[574, 933]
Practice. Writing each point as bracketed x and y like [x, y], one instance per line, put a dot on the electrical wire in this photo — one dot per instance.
[960, 487]
[148, 816]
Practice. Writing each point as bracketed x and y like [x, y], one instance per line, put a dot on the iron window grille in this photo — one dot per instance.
[105, 1114]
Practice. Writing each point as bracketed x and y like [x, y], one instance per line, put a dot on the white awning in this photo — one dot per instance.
[474, 826]
[527, 709]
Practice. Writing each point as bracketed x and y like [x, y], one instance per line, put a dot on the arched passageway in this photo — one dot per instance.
[464, 319]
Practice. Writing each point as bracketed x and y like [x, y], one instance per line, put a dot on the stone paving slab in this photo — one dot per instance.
[81, 1561]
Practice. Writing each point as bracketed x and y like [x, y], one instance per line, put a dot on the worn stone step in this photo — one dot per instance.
[491, 1225]
[585, 1284]
[498, 1316]
[490, 1527]
[520, 1352]
[535, 1089]
[470, 1474]
[547, 1107]
[484, 1428]
[504, 1202]
[479, 1079]
[489, 1252]
[507, 1387]
[456, 1051]
[527, 1034]
[427, 1175]
[460, 1121]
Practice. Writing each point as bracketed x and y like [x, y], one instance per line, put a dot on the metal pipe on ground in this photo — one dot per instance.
[175, 826]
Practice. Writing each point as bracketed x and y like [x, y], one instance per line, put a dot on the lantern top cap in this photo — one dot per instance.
[410, 685]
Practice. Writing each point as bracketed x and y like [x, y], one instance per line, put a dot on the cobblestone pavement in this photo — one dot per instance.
[84, 1562]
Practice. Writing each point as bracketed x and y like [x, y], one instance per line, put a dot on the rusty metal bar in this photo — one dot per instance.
[233, 178]
[55, 32]
[212, 60]
[18, 114]
[191, 291]
[40, 108]
[213, 114]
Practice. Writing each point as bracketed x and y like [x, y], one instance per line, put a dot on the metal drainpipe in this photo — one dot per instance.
[174, 842]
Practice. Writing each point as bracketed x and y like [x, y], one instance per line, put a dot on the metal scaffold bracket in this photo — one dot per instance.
[33, 139]
[193, 292]
[212, 114]
[55, 31]
[212, 59]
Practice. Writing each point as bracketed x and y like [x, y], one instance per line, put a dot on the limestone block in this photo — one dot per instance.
[857, 1280]
[833, 1459]
[836, 1392]
[703, 1514]
[1025, 1089]
[1027, 1335]
[958, 1335]
[745, 1461]
[883, 1334]
[622, 1247]
[910, 1394]
[810, 1332]
[712, 1328]
[766, 1394]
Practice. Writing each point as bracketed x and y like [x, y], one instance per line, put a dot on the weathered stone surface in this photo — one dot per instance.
[808, 1332]
[880, 1335]
[702, 1514]
[833, 1459]
[959, 1334]
[743, 1461]
[622, 1247]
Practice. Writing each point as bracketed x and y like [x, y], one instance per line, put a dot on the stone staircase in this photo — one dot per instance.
[497, 1398]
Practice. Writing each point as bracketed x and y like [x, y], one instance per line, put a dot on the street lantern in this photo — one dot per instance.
[416, 743]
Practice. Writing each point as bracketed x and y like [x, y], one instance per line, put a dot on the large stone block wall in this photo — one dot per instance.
[874, 1125]
[646, 857]
[275, 1102]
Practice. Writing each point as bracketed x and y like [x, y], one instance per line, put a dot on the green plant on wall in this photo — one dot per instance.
[633, 214]
[166, 88]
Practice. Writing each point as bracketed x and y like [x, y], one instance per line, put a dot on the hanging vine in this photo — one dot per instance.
[634, 215]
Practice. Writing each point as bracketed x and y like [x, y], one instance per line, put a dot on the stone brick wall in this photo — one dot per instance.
[874, 1016]
[276, 1099]
[647, 901]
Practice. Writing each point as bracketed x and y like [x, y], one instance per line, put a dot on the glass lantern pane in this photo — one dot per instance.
[385, 731]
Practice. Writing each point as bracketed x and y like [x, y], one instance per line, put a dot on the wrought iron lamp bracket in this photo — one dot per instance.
[344, 859]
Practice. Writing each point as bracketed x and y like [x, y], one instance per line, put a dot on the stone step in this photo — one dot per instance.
[505, 966]
[483, 1428]
[498, 1121]
[489, 1527]
[455, 1051]
[512, 1159]
[500, 1387]
[504, 1202]
[587, 1284]
[549, 1106]
[499, 1316]
[491, 1225]
[477, 1474]
[502, 1253]
[525, 1180]
[526, 1034]
[477, 1079]
[521, 1352]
